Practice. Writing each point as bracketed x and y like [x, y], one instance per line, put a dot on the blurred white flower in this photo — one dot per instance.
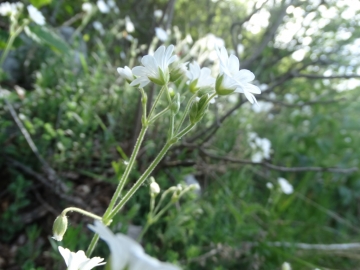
[158, 13]
[129, 26]
[231, 79]
[126, 73]
[10, 9]
[99, 27]
[36, 15]
[161, 34]
[102, 6]
[126, 253]
[269, 185]
[78, 260]
[286, 266]
[112, 5]
[156, 67]
[199, 77]
[285, 186]
[260, 146]
[262, 106]
[87, 7]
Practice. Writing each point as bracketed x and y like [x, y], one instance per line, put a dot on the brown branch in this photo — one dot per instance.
[281, 168]
[46, 182]
[316, 77]
[301, 104]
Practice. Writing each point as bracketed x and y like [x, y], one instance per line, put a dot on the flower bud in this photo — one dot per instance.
[154, 187]
[198, 109]
[126, 73]
[59, 227]
[175, 105]
[177, 71]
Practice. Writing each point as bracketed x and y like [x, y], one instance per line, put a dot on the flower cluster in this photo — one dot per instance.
[229, 80]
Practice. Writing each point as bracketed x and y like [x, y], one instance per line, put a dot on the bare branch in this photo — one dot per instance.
[318, 247]
[52, 176]
[46, 183]
[301, 104]
[317, 77]
[281, 168]
[269, 35]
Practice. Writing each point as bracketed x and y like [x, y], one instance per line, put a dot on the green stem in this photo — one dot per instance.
[146, 227]
[184, 131]
[142, 179]
[126, 174]
[152, 120]
[92, 245]
[10, 43]
[156, 101]
[187, 108]
[81, 211]
[172, 123]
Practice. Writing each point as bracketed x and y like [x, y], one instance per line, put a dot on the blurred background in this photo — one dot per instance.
[279, 180]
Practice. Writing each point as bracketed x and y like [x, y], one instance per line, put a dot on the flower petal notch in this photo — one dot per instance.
[78, 260]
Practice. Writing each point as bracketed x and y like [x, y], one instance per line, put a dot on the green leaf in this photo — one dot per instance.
[40, 3]
[50, 38]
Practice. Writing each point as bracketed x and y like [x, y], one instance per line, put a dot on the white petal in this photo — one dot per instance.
[250, 97]
[244, 75]
[234, 63]
[120, 253]
[66, 254]
[252, 88]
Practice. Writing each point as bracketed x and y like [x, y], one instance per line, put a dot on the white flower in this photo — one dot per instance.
[36, 15]
[78, 260]
[231, 79]
[161, 34]
[129, 25]
[156, 67]
[199, 78]
[154, 188]
[286, 266]
[102, 6]
[99, 27]
[285, 186]
[126, 73]
[87, 7]
[10, 9]
[126, 252]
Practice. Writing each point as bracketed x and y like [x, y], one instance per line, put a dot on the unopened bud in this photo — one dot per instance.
[175, 106]
[59, 227]
[154, 187]
[286, 266]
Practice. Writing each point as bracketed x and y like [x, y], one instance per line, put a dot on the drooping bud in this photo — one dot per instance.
[154, 187]
[60, 227]
[126, 73]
